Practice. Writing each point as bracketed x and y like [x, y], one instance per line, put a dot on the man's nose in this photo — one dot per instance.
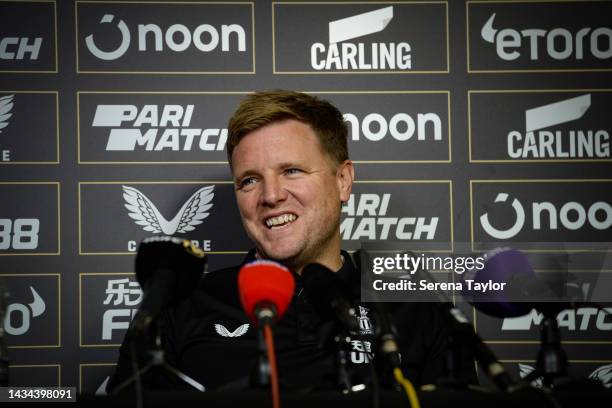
[273, 191]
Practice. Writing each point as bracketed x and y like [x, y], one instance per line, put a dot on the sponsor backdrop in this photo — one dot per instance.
[470, 121]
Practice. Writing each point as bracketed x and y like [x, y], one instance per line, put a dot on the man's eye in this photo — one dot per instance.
[246, 182]
[293, 171]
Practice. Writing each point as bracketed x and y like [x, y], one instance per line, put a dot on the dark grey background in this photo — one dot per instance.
[74, 360]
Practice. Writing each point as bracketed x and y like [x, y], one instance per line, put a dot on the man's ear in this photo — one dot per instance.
[344, 177]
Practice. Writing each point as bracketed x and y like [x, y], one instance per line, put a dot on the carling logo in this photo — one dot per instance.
[144, 212]
[547, 36]
[536, 142]
[165, 37]
[356, 37]
[540, 125]
[342, 55]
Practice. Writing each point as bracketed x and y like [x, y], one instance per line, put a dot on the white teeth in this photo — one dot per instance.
[280, 220]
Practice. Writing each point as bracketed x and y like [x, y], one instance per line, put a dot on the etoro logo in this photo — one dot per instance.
[539, 143]
[558, 43]
[18, 316]
[367, 218]
[571, 216]
[155, 128]
[6, 105]
[145, 213]
[176, 37]
[342, 55]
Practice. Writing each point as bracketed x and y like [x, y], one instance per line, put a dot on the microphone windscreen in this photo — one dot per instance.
[508, 266]
[177, 257]
[265, 282]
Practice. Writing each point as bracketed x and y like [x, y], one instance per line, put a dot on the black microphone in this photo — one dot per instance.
[168, 270]
[329, 295]
[460, 324]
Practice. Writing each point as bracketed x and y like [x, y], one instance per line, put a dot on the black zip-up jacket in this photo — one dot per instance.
[209, 338]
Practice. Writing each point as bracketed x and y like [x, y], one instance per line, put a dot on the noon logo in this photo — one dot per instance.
[170, 37]
[176, 37]
[570, 215]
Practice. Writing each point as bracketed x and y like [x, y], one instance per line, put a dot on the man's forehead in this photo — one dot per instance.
[286, 139]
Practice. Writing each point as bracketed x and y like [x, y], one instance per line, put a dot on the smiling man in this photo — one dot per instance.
[289, 159]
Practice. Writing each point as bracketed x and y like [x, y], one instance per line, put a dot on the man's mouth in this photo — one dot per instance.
[280, 220]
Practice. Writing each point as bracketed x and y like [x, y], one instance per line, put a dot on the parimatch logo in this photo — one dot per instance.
[23, 140]
[32, 312]
[28, 36]
[542, 211]
[165, 37]
[128, 213]
[166, 128]
[540, 126]
[584, 324]
[354, 37]
[380, 212]
[547, 36]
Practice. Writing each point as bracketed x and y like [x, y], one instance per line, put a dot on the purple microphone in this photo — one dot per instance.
[505, 274]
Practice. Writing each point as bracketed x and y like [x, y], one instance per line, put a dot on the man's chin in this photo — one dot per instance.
[285, 257]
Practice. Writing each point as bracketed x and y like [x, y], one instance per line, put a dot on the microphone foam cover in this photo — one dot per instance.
[176, 257]
[265, 282]
[508, 266]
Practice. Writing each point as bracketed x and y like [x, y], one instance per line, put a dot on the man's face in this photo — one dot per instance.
[289, 193]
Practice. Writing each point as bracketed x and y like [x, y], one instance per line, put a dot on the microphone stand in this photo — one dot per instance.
[157, 361]
[551, 362]
[260, 376]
